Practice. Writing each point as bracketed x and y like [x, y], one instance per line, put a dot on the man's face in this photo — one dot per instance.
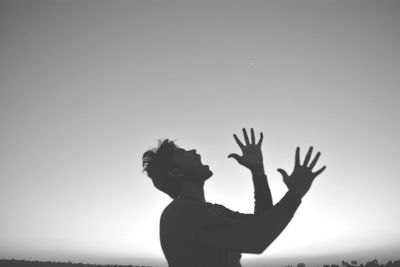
[189, 162]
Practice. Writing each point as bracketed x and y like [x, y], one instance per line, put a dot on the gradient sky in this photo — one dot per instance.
[88, 86]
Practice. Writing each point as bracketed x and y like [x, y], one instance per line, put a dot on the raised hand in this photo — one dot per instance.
[302, 176]
[252, 156]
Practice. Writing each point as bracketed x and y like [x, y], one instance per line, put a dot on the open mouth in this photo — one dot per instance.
[199, 158]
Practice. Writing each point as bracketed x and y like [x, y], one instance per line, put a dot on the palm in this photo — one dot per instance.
[251, 151]
[302, 176]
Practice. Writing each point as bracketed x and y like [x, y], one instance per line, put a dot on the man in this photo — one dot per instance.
[195, 233]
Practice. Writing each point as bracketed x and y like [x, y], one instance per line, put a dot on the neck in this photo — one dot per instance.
[193, 190]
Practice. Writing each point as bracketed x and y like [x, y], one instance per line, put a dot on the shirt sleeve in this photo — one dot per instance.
[243, 233]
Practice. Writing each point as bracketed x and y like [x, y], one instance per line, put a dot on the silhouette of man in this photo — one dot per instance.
[195, 233]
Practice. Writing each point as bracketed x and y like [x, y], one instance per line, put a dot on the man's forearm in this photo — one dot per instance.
[262, 193]
[257, 170]
[253, 235]
[277, 218]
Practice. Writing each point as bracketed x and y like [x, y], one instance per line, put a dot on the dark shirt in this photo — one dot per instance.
[197, 234]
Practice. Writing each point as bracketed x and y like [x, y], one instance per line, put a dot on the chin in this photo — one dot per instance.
[208, 174]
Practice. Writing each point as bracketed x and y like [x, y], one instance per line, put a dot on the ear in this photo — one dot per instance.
[175, 173]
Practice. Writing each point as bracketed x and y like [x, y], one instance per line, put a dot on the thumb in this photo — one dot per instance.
[284, 174]
[235, 156]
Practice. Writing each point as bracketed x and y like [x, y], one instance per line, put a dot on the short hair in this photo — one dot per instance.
[157, 162]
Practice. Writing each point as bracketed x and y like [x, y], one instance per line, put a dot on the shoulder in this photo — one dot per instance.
[230, 214]
[218, 207]
[184, 209]
[181, 219]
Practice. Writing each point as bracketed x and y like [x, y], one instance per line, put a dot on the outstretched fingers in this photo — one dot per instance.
[308, 156]
[246, 137]
[253, 138]
[240, 144]
[297, 158]
[314, 161]
[319, 171]
[261, 139]
[247, 140]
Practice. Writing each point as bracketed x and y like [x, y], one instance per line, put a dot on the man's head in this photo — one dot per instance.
[168, 165]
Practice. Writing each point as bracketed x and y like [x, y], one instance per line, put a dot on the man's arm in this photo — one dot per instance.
[256, 233]
[253, 160]
[262, 194]
[252, 235]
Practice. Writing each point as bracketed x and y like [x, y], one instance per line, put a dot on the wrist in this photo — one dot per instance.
[257, 170]
[296, 193]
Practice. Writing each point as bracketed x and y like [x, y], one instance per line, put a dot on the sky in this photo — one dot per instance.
[86, 87]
